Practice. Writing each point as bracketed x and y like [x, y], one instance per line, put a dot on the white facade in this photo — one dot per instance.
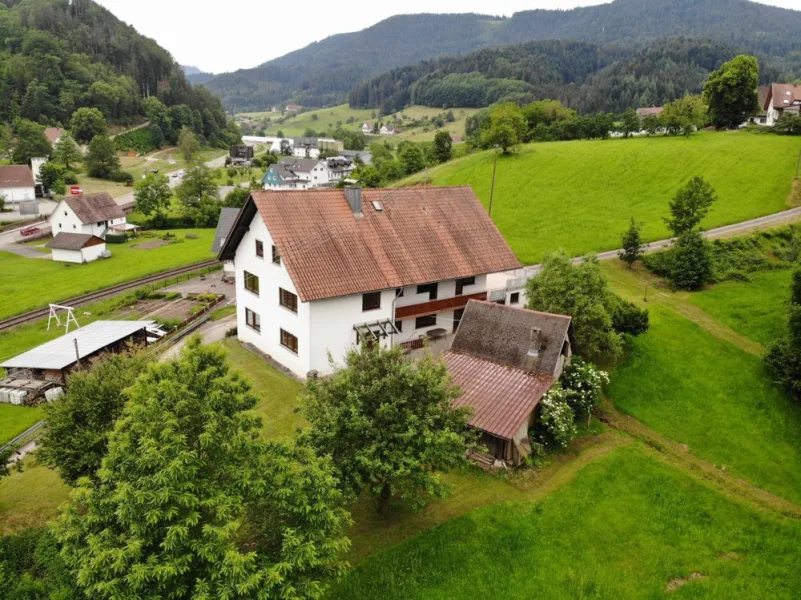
[322, 327]
[64, 219]
[18, 194]
[37, 162]
[386, 130]
[319, 175]
[84, 255]
[367, 129]
[300, 152]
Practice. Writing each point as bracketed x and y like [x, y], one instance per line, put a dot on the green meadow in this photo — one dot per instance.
[580, 195]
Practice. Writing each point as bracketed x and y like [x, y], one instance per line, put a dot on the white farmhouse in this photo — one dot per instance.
[291, 173]
[17, 183]
[320, 271]
[367, 129]
[305, 147]
[92, 214]
[388, 130]
[76, 247]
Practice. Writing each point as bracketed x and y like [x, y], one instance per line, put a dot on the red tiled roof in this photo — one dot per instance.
[502, 397]
[13, 176]
[53, 133]
[650, 110]
[419, 235]
[785, 94]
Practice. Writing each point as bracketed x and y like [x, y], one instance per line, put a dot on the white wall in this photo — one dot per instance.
[274, 317]
[64, 219]
[18, 194]
[71, 256]
[93, 252]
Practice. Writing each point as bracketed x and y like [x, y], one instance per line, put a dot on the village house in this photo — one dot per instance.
[17, 184]
[320, 271]
[388, 130]
[303, 173]
[53, 134]
[367, 128]
[90, 214]
[649, 111]
[305, 147]
[504, 359]
[776, 100]
[293, 108]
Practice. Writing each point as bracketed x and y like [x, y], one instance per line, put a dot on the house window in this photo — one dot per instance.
[288, 300]
[251, 283]
[430, 289]
[426, 321]
[514, 298]
[259, 249]
[399, 292]
[65, 213]
[457, 318]
[289, 341]
[100, 223]
[253, 320]
[276, 256]
[371, 301]
[59, 225]
[74, 227]
[399, 326]
[462, 283]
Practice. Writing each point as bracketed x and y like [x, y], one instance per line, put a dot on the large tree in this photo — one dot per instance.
[31, 142]
[582, 292]
[78, 424]
[190, 503]
[101, 157]
[507, 127]
[153, 194]
[411, 158]
[197, 183]
[685, 115]
[188, 144]
[690, 205]
[388, 424]
[66, 151]
[86, 123]
[443, 146]
[731, 92]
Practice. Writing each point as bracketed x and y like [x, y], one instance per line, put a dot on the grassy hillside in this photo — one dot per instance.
[580, 195]
[626, 527]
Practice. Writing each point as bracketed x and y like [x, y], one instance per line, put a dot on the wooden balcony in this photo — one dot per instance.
[435, 306]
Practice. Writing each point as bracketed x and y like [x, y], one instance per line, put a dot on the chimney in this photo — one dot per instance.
[532, 358]
[353, 194]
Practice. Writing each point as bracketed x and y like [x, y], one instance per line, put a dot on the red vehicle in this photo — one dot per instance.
[76, 190]
[29, 231]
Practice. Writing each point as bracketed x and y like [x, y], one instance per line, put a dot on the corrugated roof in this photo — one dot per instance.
[16, 176]
[503, 334]
[91, 208]
[502, 397]
[224, 224]
[421, 235]
[73, 241]
[59, 353]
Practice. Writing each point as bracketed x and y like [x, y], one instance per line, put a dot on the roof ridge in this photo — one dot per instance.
[522, 309]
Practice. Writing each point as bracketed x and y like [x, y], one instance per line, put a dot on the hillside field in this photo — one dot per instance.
[580, 195]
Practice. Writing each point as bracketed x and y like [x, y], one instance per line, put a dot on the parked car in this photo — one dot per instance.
[29, 231]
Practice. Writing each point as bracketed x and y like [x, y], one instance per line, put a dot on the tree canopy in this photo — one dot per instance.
[731, 92]
[153, 194]
[690, 205]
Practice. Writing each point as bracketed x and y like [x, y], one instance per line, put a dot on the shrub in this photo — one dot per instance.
[557, 419]
[115, 238]
[628, 318]
[121, 177]
[582, 383]
[231, 332]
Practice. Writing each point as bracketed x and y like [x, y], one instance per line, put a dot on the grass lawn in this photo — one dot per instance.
[90, 185]
[698, 386]
[16, 419]
[626, 527]
[165, 160]
[30, 498]
[319, 120]
[276, 391]
[580, 195]
[755, 309]
[417, 134]
[32, 283]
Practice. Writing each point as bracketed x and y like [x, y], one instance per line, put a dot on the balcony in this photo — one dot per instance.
[417, 348]
[435, 306]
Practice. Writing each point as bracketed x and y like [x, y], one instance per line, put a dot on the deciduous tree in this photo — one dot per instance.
[87, 123]
[197, 183]
[507, 127]
[443, 146]
[188, 144]
[631, 244]
[31, 142]
[388, 424]
[190, 503]
[66, 151]
[411, 158]
[691, 266]
[630, 122]
[101, 157]
[690, 205]
[153, 194]
[731, 92]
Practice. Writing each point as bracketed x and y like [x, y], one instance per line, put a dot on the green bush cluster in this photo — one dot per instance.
[31, 567]
[116, 238]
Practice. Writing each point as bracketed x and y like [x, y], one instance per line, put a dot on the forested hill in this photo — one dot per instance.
[57, 56]
[584, 76]
[323, 72]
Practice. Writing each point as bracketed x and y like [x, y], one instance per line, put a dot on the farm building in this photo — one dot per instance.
[54, 360]
[17, 183]
[505, 359]
[76, 247]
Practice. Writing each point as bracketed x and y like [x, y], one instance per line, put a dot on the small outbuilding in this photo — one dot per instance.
[76, 247]
[54, 360]
[17, 183]
[504, 360]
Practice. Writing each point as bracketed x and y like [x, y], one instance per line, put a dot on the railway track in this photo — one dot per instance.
[102, 294]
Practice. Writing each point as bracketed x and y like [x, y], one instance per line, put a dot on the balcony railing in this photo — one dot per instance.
[435, 306]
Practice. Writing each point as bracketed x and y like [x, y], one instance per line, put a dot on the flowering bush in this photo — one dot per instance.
[557, 418]
[582, 383]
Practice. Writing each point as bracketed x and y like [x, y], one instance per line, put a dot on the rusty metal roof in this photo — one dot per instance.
[502, 397]
[405, 237]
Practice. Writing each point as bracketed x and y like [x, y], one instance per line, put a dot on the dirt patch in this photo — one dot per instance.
[677, 583]
[150, 245]
[179, 309]
[795, 193]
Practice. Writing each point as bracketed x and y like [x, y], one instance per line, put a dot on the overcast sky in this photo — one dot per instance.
[225, 36]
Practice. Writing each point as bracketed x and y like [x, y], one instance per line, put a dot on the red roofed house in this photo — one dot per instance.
[53, 134]
[318, 271]
[504, 360]
[774, 101]
[17, 184]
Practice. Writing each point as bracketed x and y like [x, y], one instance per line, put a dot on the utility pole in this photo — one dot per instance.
[494, 168]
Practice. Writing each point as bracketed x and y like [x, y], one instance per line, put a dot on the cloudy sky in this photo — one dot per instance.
[207, 37]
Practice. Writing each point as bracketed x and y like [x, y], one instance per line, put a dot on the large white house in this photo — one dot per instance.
[320, 271]
[291, 173]
[17, 183]
[91, 214]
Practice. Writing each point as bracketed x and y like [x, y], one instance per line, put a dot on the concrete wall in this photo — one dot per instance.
[71, 256]
[20, 194]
